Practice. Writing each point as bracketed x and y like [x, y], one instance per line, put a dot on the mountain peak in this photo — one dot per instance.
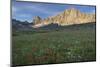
[72, 10]
[68, 17]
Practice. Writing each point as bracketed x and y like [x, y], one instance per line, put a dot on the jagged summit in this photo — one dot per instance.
[72, 9]
[68, 17]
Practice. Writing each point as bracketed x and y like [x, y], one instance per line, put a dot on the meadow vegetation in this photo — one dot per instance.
[59, 46]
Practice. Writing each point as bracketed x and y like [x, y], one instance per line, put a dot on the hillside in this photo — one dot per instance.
[22, 26]
[56, 27]
[73, 43]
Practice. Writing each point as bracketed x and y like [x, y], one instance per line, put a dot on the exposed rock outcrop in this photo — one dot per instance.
[68, 17]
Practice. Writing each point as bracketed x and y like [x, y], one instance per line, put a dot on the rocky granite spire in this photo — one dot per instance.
[37, 20]
[67, 17]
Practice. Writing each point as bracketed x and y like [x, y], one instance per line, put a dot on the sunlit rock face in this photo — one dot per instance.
[67, 17]
[37, 20]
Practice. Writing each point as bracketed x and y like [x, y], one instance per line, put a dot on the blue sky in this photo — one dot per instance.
[25, 11]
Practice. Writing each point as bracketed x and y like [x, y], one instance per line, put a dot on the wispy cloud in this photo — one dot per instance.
[33, 9]
[28, 11]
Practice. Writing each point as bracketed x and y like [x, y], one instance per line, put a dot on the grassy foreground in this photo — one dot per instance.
[53, 47]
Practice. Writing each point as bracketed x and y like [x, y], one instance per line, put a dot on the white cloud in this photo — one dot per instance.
[23, 15]
[38, 8]
[93, 11]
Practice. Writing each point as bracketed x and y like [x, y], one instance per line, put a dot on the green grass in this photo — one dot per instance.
[53, 47]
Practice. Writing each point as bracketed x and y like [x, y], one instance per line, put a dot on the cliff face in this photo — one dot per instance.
[37, 20]
[68, 17]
